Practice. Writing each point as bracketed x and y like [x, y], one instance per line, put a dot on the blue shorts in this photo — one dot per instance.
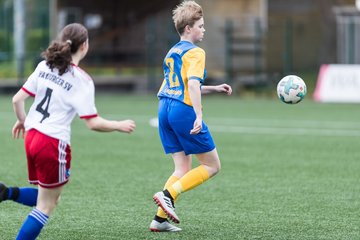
[176, 119]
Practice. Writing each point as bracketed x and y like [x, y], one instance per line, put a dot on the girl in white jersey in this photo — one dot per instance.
[61, 90]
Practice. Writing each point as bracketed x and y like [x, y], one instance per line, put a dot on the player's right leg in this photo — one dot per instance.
[49, 167]
[165, 226]
[38, 217]
[210, 161]
[201, 145]
[25, 195]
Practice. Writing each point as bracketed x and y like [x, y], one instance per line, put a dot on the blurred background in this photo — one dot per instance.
[250, 44]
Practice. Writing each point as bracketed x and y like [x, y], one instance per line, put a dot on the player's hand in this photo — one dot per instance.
[127, 126]
[197, 126]
[18, 130]
[225, 88]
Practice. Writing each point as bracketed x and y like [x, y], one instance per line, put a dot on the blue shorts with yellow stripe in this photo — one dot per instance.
[176, 119]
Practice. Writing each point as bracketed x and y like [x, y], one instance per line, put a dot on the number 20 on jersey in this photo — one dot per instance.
[173, 78]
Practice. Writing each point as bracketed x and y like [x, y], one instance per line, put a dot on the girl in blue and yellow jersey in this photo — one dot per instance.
[181, 128]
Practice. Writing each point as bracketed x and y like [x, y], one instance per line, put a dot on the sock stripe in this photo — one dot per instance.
[32, 225]
[39, 216]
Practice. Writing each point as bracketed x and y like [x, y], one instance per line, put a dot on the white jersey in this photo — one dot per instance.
[58, 99]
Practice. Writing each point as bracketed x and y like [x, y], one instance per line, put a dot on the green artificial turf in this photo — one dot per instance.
[288, 172]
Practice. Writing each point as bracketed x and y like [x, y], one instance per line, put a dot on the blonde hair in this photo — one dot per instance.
[186, 13]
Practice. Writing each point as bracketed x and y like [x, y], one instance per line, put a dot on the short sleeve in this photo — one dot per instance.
[196, 62]
[84, 104]
[30, 86]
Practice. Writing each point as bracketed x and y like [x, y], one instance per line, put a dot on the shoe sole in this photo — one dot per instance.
[171, 217]
[154, 230]
[157, 230]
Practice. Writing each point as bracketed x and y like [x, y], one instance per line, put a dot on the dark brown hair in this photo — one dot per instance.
[58, 54]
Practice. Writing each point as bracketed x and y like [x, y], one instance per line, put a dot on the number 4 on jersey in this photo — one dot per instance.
[43, 106]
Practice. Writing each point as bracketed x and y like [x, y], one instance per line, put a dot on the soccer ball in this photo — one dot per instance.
[291, 89]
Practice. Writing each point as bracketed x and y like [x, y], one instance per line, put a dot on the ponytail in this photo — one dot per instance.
[58, 55]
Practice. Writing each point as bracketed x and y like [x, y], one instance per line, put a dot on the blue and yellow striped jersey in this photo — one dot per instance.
[185, 61]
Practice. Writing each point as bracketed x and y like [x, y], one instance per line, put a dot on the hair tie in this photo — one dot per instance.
[69, 41]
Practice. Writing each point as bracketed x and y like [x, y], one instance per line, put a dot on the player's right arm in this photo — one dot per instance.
[103, 125]
[19, 109]
[195, 74]
[195, 96]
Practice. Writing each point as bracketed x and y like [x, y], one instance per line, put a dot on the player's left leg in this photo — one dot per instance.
[182, 165]
[210, 165]
[201, 145]
[24, 195]
[38, 217]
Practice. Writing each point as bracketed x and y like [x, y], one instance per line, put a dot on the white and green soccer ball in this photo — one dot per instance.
[291, 89]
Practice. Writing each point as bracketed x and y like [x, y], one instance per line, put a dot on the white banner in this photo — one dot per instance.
[338, 83]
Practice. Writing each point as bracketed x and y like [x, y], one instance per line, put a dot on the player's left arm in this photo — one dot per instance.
[19, 109]
[221, 88]
[196, 58]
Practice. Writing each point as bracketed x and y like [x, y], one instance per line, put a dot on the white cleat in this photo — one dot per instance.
[166, 204]
[155, 226]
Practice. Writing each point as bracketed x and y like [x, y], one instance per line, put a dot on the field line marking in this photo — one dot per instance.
[289, 130]
[285, 131]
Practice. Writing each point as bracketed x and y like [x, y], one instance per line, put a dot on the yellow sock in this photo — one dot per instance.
[192, 179]
[172, 179]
